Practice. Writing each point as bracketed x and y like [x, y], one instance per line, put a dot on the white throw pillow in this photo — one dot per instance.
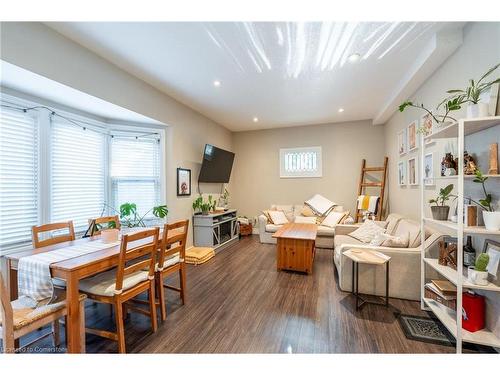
[333, 218]
[395, 241]
[278, 217]
[367, 231]
[305, 220]
[320, 204]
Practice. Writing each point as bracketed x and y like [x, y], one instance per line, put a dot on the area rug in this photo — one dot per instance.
[426, 329]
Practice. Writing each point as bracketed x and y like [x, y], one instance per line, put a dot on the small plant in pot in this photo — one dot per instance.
[472, 95]
[478, 274]
[491, 217]
[203, 206]
[440, 211]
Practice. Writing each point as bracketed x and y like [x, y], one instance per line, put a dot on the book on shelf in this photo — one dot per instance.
[444, 288]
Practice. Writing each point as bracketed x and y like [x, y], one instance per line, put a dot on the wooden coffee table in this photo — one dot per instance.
[295, 247]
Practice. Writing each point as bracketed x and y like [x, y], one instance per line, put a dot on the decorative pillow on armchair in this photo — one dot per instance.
[334, 218]
[367, 231]
[320, 205]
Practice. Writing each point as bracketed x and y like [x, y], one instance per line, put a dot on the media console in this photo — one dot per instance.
[217, 230]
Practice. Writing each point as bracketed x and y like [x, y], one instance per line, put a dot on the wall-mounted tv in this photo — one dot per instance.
[216, 166]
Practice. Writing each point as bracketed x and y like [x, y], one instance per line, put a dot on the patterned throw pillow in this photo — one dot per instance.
[367, 231]
[334, 218]
[306, 211]
[394, 241]
[278, 217]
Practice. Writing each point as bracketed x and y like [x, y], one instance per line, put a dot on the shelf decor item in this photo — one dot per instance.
[448, 254]
[493, 159]
[492, 248]
[440, 211]
[473, 95]
[203, 206]
[478, 274]
[473, 312]
[491, 217]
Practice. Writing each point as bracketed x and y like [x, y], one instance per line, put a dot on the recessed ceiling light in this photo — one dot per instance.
[255, 119]
[341, 110]
[216, 83]
[354, 57]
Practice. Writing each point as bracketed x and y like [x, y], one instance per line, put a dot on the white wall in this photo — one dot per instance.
[35, 47]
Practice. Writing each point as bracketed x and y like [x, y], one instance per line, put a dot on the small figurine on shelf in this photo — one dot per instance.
[448, 165]
[470, 166]
[493, 159]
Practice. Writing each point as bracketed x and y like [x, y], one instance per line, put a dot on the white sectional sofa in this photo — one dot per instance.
[266, 230]
[404, 268]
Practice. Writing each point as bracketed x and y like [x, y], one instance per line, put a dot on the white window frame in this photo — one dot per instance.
[318, 172]
[43, 123]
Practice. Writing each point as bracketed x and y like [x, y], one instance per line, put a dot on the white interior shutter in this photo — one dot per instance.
[135, 172]
[18, 177]
[77, 173]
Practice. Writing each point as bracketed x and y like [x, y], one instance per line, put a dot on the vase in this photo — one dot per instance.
[440, 212]
[477, 277]
[477, 110]
[491, 220]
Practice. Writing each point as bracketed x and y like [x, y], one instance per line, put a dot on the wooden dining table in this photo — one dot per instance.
[72, 271]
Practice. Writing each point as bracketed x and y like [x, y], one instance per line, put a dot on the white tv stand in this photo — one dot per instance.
[217, 230]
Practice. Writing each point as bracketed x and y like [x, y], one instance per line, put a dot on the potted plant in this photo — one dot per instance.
[478, 274]
[491, 217]
[204, 206]
[224, 198]
[472, 95]
[440, 211]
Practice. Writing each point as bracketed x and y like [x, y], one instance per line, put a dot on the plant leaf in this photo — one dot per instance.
[160, 211]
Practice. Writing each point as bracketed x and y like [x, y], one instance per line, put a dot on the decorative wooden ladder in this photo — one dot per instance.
[363, 184]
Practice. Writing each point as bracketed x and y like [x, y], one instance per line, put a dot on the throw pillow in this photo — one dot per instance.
[306, 211]
[305, 220]
[348, 220]
[286, 208]
[395, 241]
[333, 218]
[278, 217]
[320, 205]
[266, 214]
[367, 231]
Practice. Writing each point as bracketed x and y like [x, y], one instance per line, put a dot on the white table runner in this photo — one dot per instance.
[33, 272]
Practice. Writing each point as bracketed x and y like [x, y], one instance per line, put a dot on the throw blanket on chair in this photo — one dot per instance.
[368, 203]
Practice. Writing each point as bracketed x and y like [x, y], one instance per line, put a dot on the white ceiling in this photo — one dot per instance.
[285, 74]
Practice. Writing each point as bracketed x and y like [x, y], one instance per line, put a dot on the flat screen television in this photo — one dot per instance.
[216, 166]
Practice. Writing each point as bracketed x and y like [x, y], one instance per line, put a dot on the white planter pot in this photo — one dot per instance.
[477, 110]
[477, 277]
[491, 220]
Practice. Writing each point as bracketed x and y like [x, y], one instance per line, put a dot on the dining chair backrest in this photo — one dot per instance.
[38, 229]
[104, 220]
[6, 314]
[137, 258]
[174, 241]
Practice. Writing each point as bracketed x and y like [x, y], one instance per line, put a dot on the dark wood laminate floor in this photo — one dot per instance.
[239, 303]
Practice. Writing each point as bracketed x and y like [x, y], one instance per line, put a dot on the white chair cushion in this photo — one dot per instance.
[320, 204]
[367, 231]
[305, 220]
[170, 261]
[104, 284]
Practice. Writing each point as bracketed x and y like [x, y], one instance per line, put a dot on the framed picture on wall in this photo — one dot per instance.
[401, 173]
[183, 182]
[412, 136]
[402, 142]
[412, 171]
[426, 123]
[429, 169]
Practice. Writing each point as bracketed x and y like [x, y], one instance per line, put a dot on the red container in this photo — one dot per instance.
[472, 312]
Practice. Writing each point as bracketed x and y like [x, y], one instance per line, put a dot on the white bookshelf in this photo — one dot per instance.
[451, 319]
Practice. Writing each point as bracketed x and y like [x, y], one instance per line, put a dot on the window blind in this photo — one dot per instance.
[77, 173]
[300, 162]
[18, 177]
[135, 172]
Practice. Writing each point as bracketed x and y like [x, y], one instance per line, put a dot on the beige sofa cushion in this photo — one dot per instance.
[278, 217]
[408, 228]
[325, 231]
[367, 231]
[342, 239]
[286, 208]
[305, 220]
[306, 211]
[272, 228]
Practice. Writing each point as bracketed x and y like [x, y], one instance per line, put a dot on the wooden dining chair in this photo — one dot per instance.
[133, 276]
[17, 319]
[38, 229]
[171, 260]
[104, 220]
